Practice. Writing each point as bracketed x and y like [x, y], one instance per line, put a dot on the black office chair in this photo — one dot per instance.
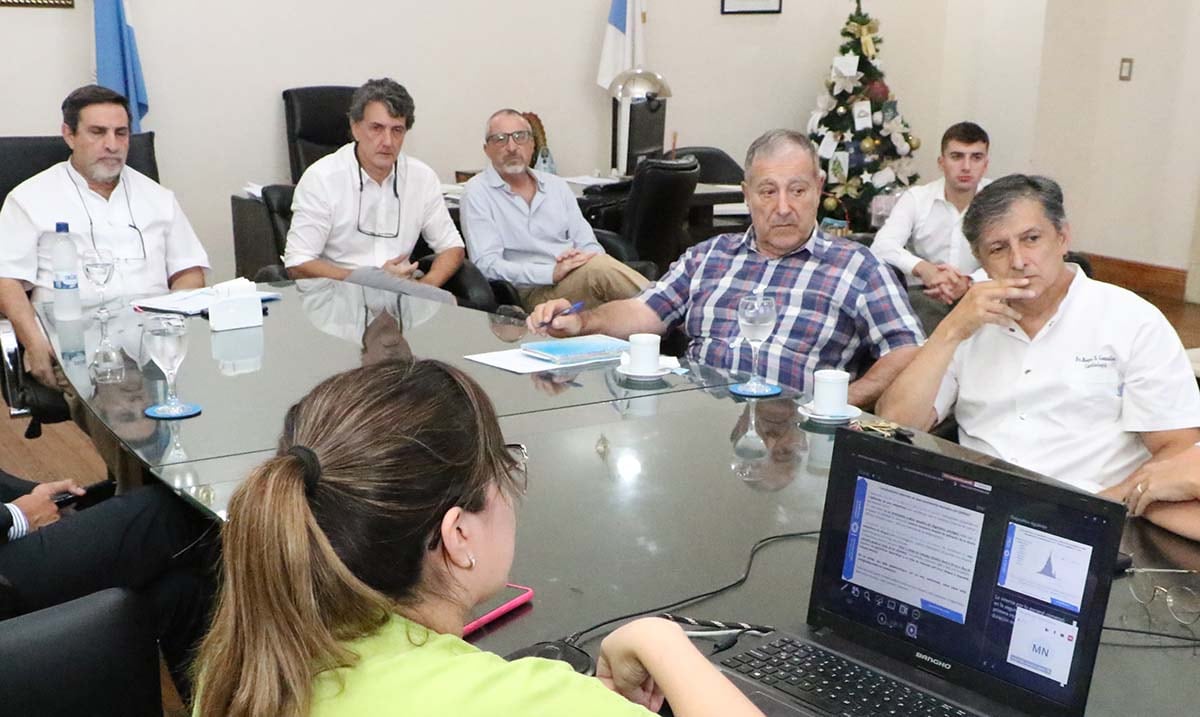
[468, 285]
[20, 159]
[23, 157]
[716, 166]
[93, 656]
[318, 123]
[656, 211]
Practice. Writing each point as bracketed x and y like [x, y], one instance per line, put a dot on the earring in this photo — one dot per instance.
[472, 559]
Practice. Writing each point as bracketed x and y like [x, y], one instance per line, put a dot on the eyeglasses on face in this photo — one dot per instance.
[501, 138]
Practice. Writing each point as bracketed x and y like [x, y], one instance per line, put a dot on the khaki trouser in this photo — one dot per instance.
[599, 281]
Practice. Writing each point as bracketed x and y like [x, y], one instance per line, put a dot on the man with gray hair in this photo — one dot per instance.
[1074, 378]
[838, 305]
[366, 204]
[525, 226]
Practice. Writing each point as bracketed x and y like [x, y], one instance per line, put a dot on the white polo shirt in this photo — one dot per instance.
[326, 214]
[60, 194]
[925, 225]
[1070, 402]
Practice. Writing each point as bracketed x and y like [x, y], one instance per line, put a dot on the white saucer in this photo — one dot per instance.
[852, 412]
[624, 370]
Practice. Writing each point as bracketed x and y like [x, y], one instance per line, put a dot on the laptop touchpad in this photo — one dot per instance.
[772, 707]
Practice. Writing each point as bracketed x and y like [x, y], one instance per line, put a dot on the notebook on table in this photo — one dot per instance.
[577, 349]
[942, 587]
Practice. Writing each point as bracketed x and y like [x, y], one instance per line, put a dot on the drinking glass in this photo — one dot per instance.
[756, 319]
[108, 363]
[98, 268]
[165, 336]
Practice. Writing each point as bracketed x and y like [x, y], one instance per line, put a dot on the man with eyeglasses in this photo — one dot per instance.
[109, 206]
[525, 227]
[366, 204]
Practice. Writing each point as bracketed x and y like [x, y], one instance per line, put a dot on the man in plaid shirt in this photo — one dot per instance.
[838, 304]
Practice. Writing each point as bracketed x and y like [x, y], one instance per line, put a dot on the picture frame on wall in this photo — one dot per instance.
[751, 7]
[37, 3]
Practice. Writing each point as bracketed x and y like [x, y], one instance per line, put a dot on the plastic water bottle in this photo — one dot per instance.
[65, 261]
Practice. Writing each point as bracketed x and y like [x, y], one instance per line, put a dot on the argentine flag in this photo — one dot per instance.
[622, 40]
[117, 65]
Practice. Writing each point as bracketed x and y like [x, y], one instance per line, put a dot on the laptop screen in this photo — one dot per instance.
[980, 575]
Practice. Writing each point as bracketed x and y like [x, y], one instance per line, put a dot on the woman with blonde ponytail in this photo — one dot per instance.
[355, 555]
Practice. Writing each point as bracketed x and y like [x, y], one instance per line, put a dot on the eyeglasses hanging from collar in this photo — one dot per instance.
[128, 208]
[395, 193]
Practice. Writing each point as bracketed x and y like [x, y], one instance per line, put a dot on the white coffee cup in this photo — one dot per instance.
[643, 354]
[830, 392]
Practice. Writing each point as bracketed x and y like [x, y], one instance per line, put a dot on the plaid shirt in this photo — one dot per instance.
[836, 302]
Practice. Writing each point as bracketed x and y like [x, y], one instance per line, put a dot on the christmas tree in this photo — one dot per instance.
[863, 142]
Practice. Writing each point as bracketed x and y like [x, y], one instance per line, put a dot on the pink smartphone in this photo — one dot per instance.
[508, 599]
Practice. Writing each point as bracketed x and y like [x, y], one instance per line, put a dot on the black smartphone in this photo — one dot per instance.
[1124, 562]
[92, 495]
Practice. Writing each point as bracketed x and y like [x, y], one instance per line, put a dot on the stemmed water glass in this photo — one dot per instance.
[98, 268]
[756, 319]
[165, 336]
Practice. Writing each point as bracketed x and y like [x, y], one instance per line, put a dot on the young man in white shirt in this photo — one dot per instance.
[1074, 378]
[923, 237]
[525, 227]
[366, 204]
[108, 205]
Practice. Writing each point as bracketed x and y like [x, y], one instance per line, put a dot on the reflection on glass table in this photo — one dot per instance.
[769, 447]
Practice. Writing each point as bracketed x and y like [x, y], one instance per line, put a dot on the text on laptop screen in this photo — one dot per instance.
[968, 572]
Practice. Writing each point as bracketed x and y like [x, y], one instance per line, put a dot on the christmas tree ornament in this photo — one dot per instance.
[844, 74]
[914, 142]
[867, 145]
[829, 204]
[877, 118]
[841, 110]
[877, 91]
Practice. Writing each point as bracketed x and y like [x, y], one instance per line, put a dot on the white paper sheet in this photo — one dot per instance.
[518, 361]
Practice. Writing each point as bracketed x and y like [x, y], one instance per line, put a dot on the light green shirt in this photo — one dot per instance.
[405, 669]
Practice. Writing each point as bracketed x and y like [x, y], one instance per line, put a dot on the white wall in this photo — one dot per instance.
[1126, 152]
[215, 70]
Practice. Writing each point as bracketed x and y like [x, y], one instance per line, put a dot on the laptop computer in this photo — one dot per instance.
[943, 586]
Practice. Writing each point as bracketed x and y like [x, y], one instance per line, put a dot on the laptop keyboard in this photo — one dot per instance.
[833, 684]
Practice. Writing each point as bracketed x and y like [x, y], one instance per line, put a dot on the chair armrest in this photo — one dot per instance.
[468, 285]
[272, 273]
[505, 292]
[615, 246]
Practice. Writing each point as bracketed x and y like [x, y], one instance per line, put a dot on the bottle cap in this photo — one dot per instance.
[61, 227]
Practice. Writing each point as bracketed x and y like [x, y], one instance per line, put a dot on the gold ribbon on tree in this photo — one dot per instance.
[853, 188]
[865, 32]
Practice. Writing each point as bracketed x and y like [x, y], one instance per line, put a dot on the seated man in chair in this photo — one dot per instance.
[1077, 379]
[525, 227]
[366, 204]
[148, 540]
[836, 300]
[108, 205]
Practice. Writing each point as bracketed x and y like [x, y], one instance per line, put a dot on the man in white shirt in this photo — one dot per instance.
[525, 227]
[923, 237]
[108, 205]
[366, 204]
[1074, 378]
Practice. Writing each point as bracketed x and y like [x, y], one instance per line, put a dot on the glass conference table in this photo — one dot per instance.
[657, 505]
[244, 380]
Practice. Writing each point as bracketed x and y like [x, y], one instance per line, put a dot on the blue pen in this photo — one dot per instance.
[572, 309]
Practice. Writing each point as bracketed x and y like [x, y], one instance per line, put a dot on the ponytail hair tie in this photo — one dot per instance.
[312, 467]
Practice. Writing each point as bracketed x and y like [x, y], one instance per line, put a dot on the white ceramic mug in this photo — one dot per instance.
[830, 391]
[643, 354]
